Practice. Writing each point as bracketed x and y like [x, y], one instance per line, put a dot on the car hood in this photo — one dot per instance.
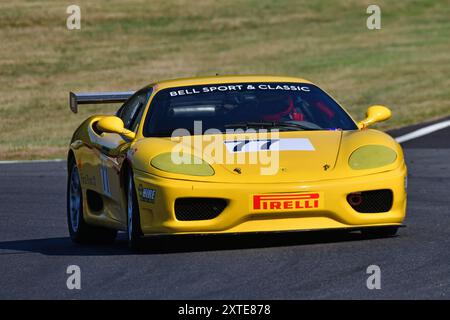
[289, 157]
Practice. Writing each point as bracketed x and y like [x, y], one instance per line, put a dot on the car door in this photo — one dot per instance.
[113, 149]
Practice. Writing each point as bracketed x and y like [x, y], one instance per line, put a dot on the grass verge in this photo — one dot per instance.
[125, 45]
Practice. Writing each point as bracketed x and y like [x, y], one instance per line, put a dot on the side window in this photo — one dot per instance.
[143, 99]
[135, 123]
[132, 110]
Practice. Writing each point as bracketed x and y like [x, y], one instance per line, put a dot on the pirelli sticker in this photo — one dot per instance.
[287, 202]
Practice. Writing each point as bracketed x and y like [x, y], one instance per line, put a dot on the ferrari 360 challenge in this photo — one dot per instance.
[230, 154]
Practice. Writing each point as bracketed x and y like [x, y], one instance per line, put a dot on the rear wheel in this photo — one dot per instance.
[380, 232]
[79, 230]
[134, 230]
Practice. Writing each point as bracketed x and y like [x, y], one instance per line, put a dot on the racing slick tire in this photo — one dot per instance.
[80, 231]
[134, 231]
[380, 232]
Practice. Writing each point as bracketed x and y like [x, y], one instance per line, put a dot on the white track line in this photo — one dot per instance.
[29, 161]
[423, 131]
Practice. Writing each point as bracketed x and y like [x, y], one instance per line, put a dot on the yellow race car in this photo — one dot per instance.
[230, 154]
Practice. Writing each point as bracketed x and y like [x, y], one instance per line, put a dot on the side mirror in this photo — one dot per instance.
[375, 114]
[113, 124]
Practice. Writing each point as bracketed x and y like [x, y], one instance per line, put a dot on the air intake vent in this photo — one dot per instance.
[190, 209]
[371, 201]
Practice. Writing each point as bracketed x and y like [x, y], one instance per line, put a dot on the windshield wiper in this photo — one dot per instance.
[298, 125]
[250, 124]
[283, 125]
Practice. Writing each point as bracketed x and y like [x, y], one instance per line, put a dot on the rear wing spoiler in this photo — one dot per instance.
[97, 97]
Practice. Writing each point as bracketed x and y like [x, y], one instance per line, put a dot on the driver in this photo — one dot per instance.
[283, 110]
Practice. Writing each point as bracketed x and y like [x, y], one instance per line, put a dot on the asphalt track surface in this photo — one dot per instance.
[35, 249]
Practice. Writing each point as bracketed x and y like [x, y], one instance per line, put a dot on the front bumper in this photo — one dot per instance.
[334, 212]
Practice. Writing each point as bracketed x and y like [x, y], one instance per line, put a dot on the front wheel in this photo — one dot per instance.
[79, 230]
[134, 230]
[379, 232]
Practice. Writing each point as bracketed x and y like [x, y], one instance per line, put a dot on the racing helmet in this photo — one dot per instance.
[281, 108]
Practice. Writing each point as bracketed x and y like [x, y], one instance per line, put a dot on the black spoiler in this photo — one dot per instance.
[96, 97]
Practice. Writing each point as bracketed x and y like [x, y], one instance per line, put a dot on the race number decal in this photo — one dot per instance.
[295, 144]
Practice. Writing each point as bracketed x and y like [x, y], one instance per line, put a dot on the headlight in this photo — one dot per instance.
[371, 156]
[184, 164]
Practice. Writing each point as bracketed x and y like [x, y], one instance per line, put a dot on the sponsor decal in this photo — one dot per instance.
[287, 201]
[88, 180]
[294, 144]
[239, 87]
[146, 194]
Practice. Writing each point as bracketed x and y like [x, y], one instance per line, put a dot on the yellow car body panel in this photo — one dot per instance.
[324, 174]
[239, 216]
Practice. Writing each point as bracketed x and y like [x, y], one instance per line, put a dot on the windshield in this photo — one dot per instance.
[283, 106]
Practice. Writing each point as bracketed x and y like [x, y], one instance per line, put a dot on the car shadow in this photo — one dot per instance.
[63, 246]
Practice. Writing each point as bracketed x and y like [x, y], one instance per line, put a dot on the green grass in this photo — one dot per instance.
[126, 45]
